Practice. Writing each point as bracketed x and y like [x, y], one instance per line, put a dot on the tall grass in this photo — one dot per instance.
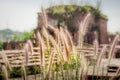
[62, 45]
[41, 46]
[101, 55]
[64, 61]
[83, 28]
[112, 48]
[5, 72]
[30, 45]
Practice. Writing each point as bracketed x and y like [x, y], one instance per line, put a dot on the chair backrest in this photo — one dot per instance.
[14, 58]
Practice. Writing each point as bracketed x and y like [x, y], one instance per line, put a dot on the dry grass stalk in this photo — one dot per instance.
[85, 23]
[5, 59]
[44, 18]
[24, 72]
[57, 37]
[41, 45]
[52, 28]
[26, 48]
[57, 44]
[30, 46]
[55, 31]
[96, 46]
[69, 38]
[118, 72]
[56, 47]
[82, 31]
[66, 46]
[56, 50]
[96, 43]
[51, 60]
[45, 26]
[112, 48]
[101, 54]
[5, 72]
[83, 28]
[83, 66]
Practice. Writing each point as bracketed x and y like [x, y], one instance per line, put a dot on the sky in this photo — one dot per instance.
[21, 15]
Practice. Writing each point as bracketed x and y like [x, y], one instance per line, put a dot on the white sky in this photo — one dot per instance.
[21, 15]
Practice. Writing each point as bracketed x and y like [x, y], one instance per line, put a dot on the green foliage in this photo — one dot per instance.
[103, 16]
[70, 8]
[27, 35]
[24, 37]
[60, 21]
[98, 14]
[71, 28]
[33, 70]
[61, 10]
[85, 9]
[8, 34]
[16, 38]
[16, 72]
[66, 66]
[74, 64]
[67, 12]
[1, 46]
[117, 33]
[56, 67]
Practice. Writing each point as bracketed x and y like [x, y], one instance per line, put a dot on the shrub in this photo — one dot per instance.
[85, 9]
[27, 35]
[24, 37]
[33, 70]
[60, 21]
[16, 72]
[16, 38]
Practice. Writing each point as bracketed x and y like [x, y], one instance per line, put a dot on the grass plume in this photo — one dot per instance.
[112, 48]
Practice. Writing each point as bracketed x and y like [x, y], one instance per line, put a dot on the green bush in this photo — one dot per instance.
[61, 10]
[16, 38]
[15, 73]
[33, 70]
[27, 35]
[71, 9]
[56, 67]
[98, 14]
[60, 21]
[24, 37]
[85, 9]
